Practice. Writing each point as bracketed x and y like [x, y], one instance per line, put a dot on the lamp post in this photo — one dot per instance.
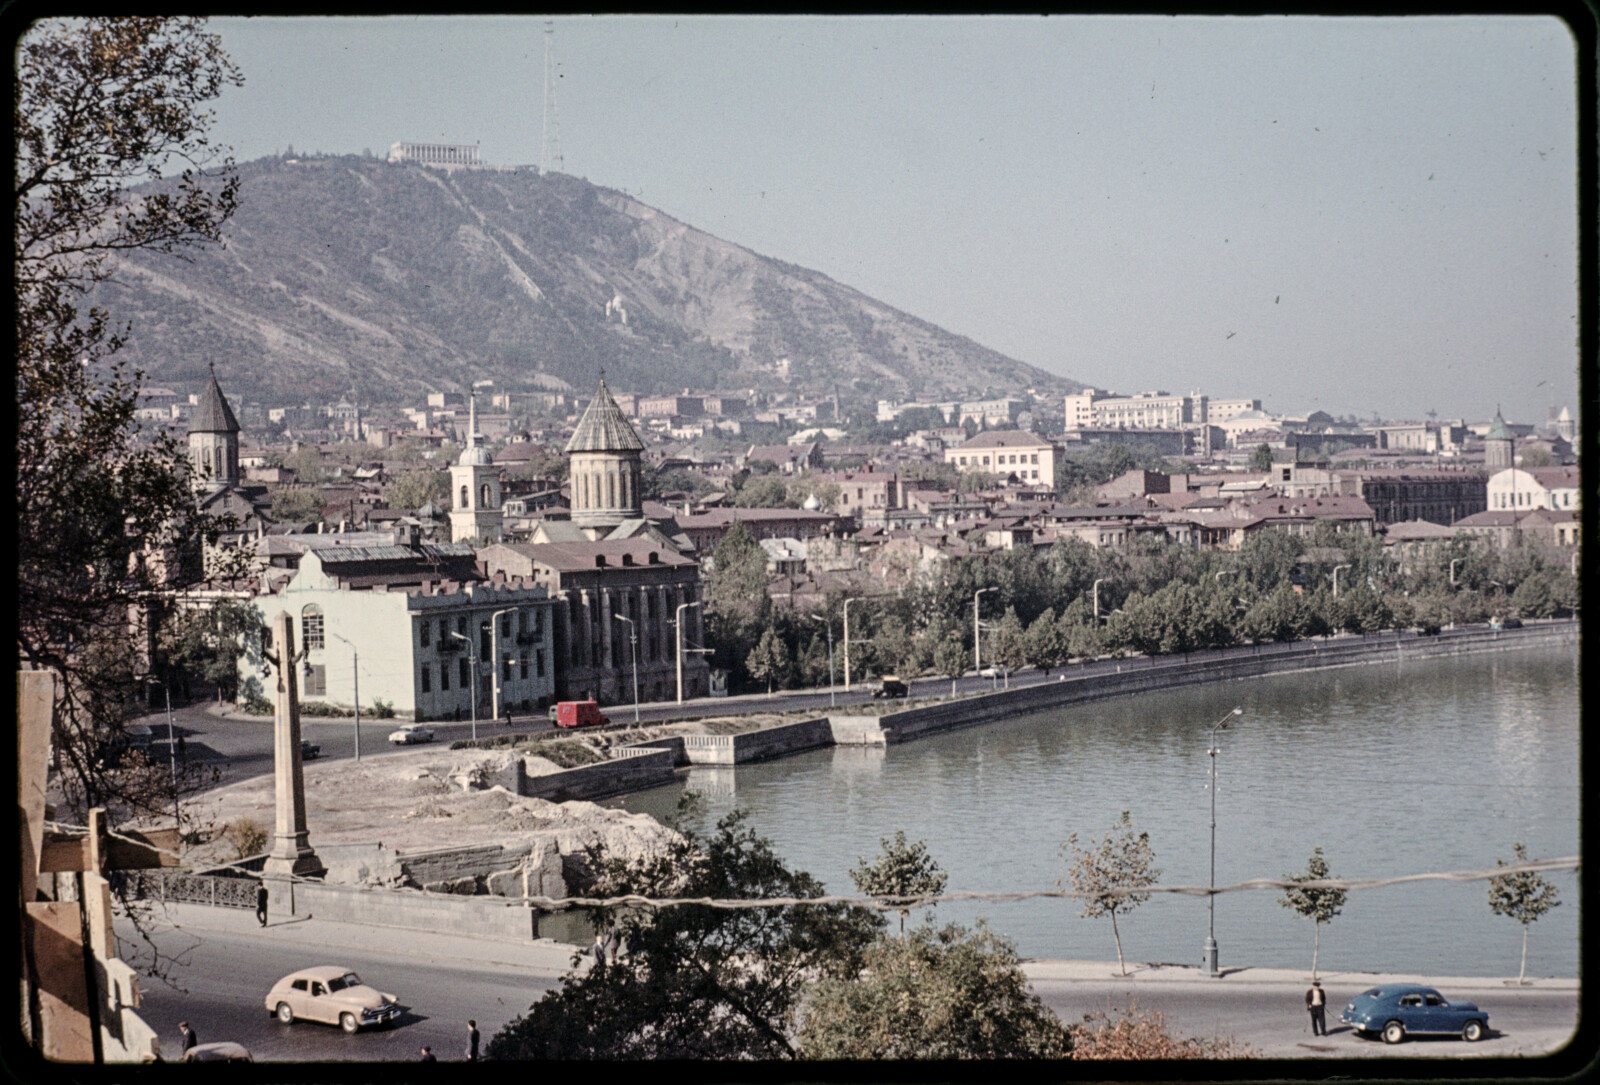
[1336, 569]
[494, 659]
[633, 644]
[1096, 591]
[355, 681]
[678, 628]
[829, 625]
[847, 603]
[172, 754]
[1210, 950]
[472, 656]
[977, 644]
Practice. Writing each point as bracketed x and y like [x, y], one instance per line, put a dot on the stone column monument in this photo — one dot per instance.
[291, 852]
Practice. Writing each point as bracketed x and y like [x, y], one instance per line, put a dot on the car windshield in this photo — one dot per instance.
[349, 979]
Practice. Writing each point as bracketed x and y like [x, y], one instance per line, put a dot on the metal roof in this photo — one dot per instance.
[212, 414]
[604, 428]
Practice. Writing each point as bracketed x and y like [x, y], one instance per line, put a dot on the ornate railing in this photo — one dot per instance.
[178, 887]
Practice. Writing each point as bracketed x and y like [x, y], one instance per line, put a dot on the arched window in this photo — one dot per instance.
[464, 502]
[483, 497]
[311, 626]
[611, 491]
[216, 459]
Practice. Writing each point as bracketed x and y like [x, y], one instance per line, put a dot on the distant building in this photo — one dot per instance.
[1525, 488]
[435, 154]
[475, 511]
[1027, 456]
[1094, 409]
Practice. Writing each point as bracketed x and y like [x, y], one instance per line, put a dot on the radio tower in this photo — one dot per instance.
[550, 152]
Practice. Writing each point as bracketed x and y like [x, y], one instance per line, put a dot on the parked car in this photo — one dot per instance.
[309, 751]
[1400, 1009]
[993, 671]
[579, 714]
[891, 687]
[1498, 624]
[332, 995]
[411, 733]
[225, 1051]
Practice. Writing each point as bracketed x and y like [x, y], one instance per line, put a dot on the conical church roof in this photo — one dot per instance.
[212, 414]
[1498, 431]
[604, 428]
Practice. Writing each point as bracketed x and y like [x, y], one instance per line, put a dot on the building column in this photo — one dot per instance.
[605, 665]
[582, 653]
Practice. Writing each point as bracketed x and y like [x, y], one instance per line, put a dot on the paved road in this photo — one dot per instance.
[226, 963]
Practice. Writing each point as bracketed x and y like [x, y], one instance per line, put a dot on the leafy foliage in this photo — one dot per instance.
[1110, 872]
[768, 661]
[1314, 903]
[1136, 1033]
[416, 487]
[1523, 897]
[947, 994]
[903, 870]
[698, 982]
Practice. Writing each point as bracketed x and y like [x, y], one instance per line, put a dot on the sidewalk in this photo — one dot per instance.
[1156, 974]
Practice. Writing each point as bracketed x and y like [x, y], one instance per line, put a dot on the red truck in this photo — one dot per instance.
[577, 714]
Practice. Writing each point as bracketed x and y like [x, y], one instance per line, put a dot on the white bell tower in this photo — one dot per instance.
[475, 488]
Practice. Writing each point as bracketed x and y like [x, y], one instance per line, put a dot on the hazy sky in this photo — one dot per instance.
[1348, 214]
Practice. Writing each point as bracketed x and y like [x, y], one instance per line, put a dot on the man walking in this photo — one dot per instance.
[472, 1041]
[1317, 1006]
[261, 903]
[189, 1037]
[599, 949]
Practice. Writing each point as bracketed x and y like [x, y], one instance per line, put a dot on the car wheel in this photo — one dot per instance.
[348, 1022]
[285, 1014]
[1472, 1031]
[1393, 1032]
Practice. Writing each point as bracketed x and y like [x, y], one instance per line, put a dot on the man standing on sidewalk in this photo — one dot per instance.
[189, 1037]
[1317, 1005]
[472, 1041]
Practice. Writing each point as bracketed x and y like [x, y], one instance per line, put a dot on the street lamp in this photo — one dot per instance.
[1336, 569]
[847, 602]
[1211, 897]
[678, 628]
[1097, 584]
[172, 754]
[494, 660]
[472, 657]
[633, 644]
[824, 621]
[355, 681]
[977, 647]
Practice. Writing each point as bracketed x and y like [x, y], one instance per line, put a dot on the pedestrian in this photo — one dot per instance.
[599, 949]
[427, 1054]
[472, 1041]
[261, 903]
[181, 752]
[613, 942]
[508, 715]
[189, 1037]
[1317, 1006]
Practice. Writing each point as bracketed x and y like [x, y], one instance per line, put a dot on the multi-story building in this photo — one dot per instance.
[1029, 457]
[435, 154]
[1395, 495]
[1525, 488]
[1094, 409]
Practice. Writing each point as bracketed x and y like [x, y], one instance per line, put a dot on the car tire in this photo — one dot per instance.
[1394, 1032]
[285, 1014]
[348, 1022]
[1472, 1031]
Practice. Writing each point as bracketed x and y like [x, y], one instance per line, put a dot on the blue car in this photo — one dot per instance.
[1396, 1010]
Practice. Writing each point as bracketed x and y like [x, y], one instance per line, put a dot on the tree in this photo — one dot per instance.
[1109, 874]
[950, 658]
[1009, 646]
[205, 645]
[698, 982]
[1262, 459]
[291, 503]
[764, 492]
[895, 648]
[1318, 904]
[1047, 643]
[947, 994]
[416, 487]
[1524, 897]
[768, 661]
[903, 870]
[737, 600]
[101, 105]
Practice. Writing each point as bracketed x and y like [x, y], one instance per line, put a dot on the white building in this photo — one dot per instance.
[1094, 409]
[1519, 489]
[1004, 452]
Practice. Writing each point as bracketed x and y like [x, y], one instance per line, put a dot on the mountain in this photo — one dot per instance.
[394, 279]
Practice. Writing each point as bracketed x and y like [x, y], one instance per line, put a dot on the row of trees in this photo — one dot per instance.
[1077, 601]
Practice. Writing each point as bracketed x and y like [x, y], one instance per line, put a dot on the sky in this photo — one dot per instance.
[1366, 216]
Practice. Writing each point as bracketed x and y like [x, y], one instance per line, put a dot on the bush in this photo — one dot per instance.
[258, 706]
[318, 709]
[247, 837]
[381, 709]
[1134, 1033]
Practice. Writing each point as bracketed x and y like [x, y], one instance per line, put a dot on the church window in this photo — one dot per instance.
[311, 626]
[611, 491]
[483, 497]
[464, 502]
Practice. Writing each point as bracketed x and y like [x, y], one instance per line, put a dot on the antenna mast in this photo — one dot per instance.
[550, 152]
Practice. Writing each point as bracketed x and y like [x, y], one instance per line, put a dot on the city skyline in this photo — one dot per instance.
[1361, 216]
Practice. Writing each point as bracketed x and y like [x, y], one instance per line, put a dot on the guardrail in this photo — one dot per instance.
[182, 888]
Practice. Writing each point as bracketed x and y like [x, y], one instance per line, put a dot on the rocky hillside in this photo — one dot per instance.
[394, 280]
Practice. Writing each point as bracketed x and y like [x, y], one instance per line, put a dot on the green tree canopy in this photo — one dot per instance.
[1110, 872]
[902, 870]
[946, 994]
[1319, 904]
[768, 661]
[416, 487]
[698, 982]
[1524, 897]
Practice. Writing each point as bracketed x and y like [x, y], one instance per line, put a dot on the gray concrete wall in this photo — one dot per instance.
[779, 741]
[627, 771]
[494, 917]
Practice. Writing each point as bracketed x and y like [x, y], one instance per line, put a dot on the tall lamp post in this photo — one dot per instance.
[824, 621]
[172, 754]
[633, 644]
[977, 643]
[1211, 897]
[355, 681]
[472, 656]
[494, 659]
[678, 628]
[847, 602]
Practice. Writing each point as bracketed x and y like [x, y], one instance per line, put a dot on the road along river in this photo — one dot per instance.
[1394, 769]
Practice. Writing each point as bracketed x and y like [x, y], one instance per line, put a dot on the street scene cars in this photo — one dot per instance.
[1401, 1009]
[891, 687]
[332, 995]
[309, 751]
[411, 733]
[578, 714]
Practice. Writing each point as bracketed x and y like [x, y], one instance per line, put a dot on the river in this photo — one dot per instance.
[1394, 769]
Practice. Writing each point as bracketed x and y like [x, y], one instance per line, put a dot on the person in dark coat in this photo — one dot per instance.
[472, 1041]
[613, 943]
[1317, 1006]
[599, 949]
[189, 1037]
[427, 1054]
[261, 903]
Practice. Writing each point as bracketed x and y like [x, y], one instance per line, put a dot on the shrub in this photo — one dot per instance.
[381, 709]
[247, 837]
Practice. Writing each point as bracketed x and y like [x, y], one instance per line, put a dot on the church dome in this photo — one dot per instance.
[604, 428]
[475, 455]
[811, 503]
